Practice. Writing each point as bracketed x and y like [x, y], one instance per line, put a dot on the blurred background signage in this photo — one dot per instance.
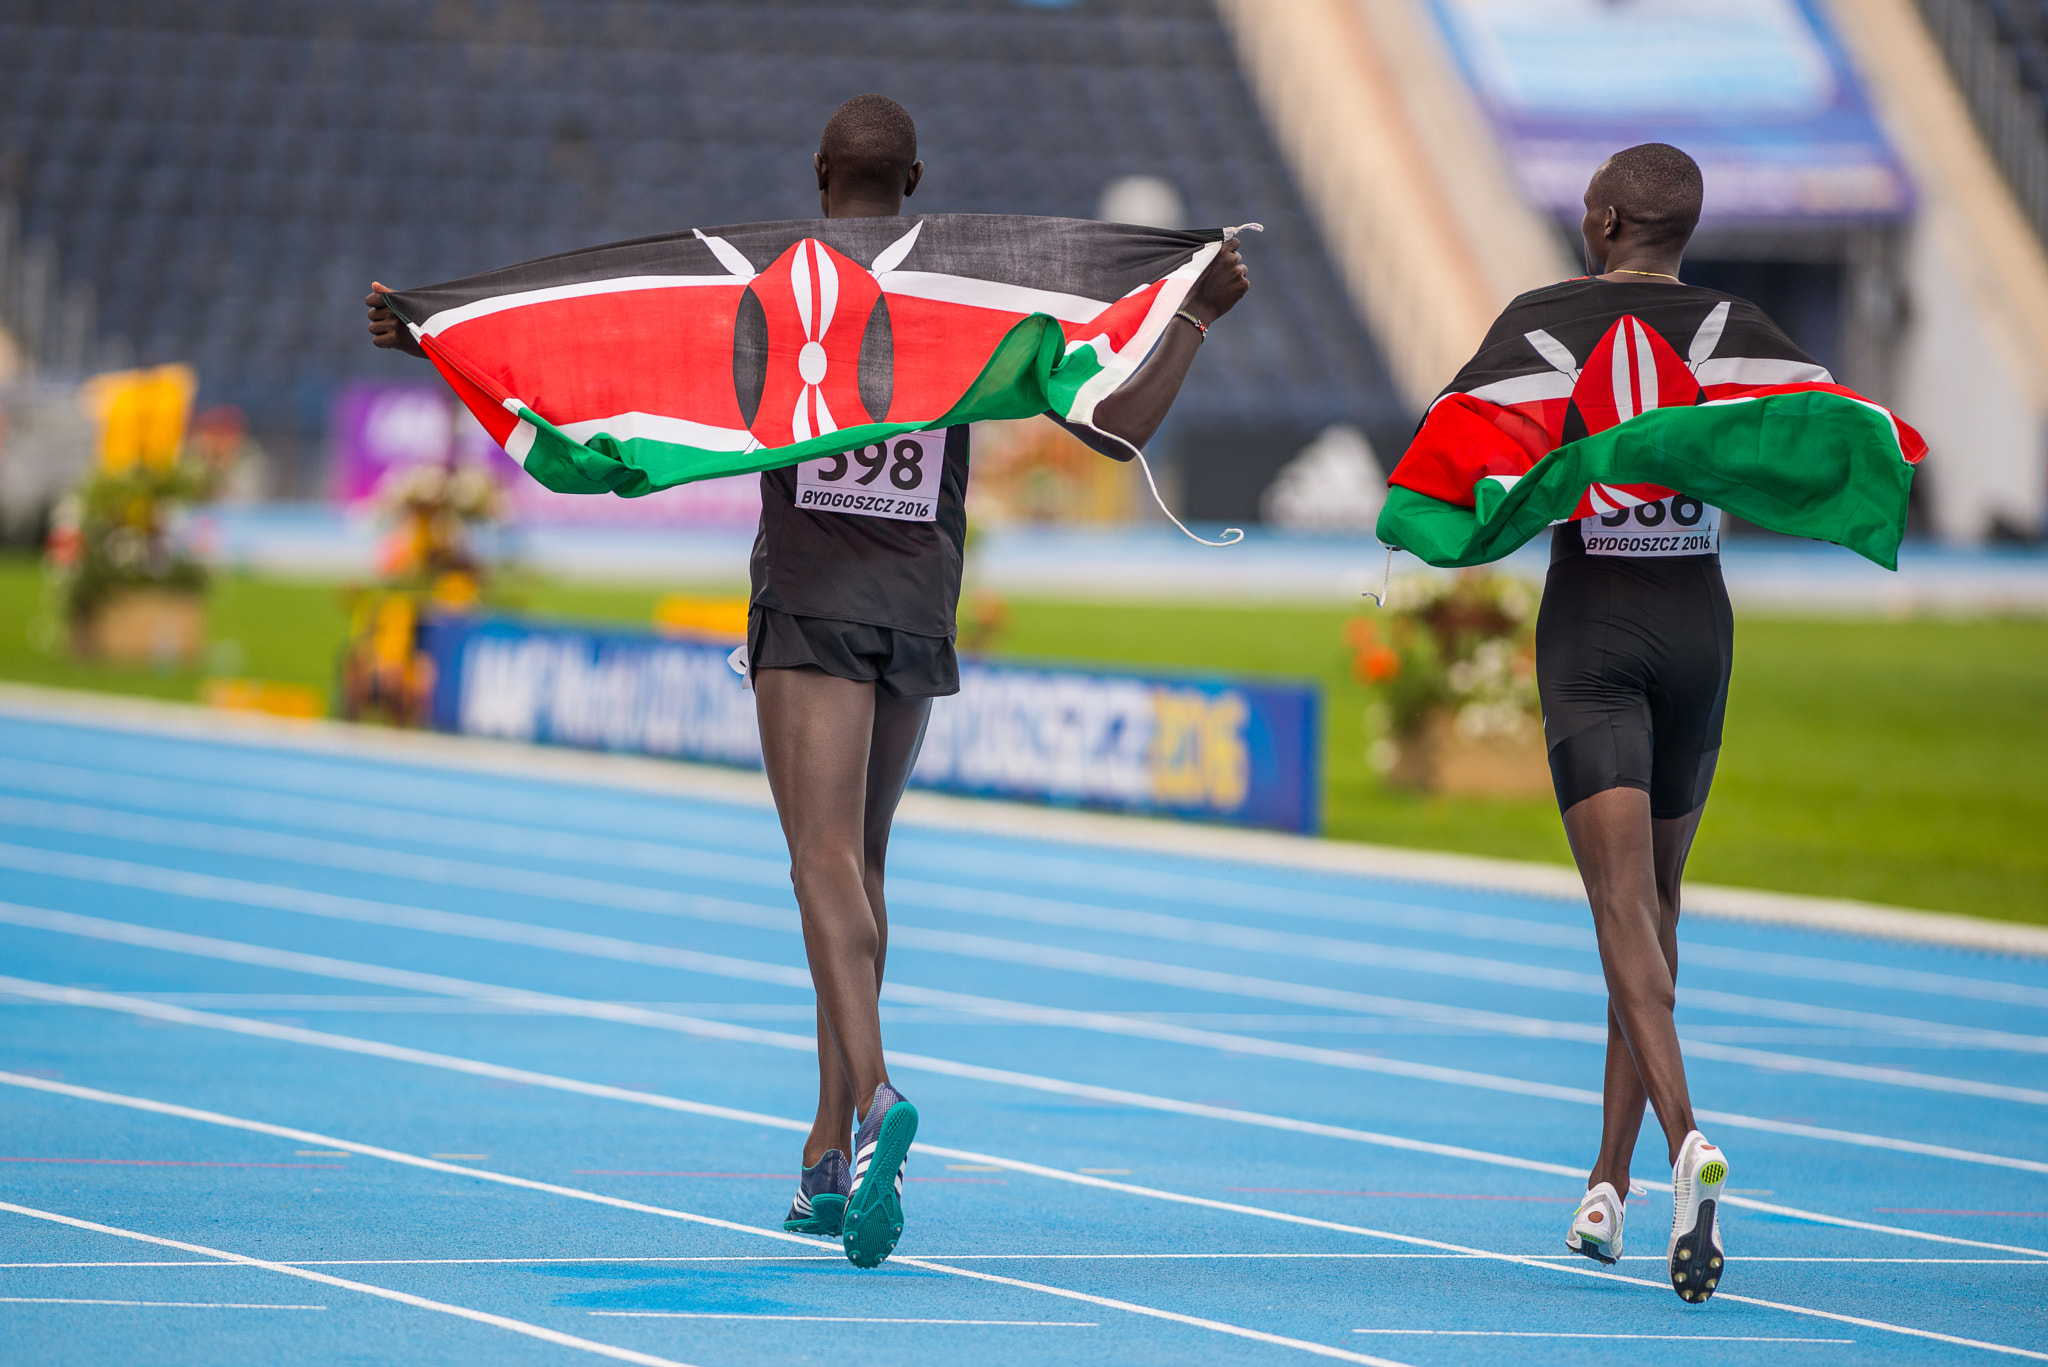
[1240, 752]
[1759, 91]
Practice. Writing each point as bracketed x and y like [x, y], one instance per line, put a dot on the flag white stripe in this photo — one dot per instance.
[498, 303]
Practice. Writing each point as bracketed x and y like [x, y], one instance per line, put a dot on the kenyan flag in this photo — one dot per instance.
[646, 364]
[1530, 433]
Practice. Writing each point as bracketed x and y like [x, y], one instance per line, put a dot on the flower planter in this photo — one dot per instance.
[143, 626]
[1437, 758]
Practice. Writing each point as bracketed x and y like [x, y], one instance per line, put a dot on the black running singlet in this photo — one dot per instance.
[875, 535]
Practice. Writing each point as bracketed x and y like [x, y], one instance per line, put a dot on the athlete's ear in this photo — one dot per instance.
[822, 167]
[910, 181]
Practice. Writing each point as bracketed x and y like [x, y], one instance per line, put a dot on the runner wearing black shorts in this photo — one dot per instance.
[849, 637]
[1634, 646]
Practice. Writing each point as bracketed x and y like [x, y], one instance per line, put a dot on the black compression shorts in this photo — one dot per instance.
[1632, 662]
[905, 663]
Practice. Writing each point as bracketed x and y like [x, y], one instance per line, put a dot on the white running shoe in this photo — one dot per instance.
[1596, 1225]
[1696, 1180]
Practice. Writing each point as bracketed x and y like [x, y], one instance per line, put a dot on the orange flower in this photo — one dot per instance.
[1377, 664]
[1360, 633]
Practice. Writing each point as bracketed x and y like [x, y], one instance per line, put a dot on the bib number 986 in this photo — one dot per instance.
[897, 478]
[1678, 525]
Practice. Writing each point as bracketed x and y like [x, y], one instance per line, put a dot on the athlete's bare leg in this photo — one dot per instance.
[1632, 866]
[838, 753]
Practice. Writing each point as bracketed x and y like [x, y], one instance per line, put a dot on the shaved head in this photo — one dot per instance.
[1655, 187]
[870, 138]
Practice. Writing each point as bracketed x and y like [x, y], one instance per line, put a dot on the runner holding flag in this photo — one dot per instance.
[846, 370]
[1627, 408]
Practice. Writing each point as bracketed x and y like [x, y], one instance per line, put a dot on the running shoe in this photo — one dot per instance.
[1596, 1225]
[1696, 1180]
[820, 1204]
[874, 1212]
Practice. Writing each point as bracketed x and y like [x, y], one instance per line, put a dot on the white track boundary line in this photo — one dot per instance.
[156, 1305]
[402, 1053]
[73, 923]
[470, 834]
[474, 756]
[833, 1319]
[1012, 1257]
[440, 870]
[534, 1331]
[598, 1198]
[214, 887]
[1323, 1350]
[1542, 1334]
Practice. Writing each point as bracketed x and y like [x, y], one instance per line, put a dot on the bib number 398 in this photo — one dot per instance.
[897, 478]
[1677, 525]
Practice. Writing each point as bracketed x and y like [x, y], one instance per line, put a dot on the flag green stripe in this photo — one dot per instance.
[1810, 464]
[1028, 373]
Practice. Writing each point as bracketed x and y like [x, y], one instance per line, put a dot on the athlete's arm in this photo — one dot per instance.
[386, 329]
[1135, 411]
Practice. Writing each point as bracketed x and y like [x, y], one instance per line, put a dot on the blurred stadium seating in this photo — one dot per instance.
[228, 175]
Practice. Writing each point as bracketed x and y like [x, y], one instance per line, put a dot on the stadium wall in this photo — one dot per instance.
[1973, 368]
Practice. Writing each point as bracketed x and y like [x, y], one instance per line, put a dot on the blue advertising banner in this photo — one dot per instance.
[1760, 92]
[1219, 750]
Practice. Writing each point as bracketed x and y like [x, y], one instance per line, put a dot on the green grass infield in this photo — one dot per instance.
[1897, 761]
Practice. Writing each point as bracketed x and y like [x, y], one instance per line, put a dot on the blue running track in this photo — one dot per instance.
[314, 1056]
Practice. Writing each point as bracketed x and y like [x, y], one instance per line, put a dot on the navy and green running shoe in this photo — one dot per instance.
[874, 1213]
[820, 1204]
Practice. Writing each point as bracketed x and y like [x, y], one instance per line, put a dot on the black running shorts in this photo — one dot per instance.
[1632, 661]
[903, 662]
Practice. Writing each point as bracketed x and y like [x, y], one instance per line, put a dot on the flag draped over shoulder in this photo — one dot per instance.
[1587, 398]
[645, 364]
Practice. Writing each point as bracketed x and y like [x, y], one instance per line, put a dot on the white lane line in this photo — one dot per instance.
[155, 1305]
[620, 1203]
[1083, 871]
[73, 923]
[1217, 1326]
[185, 834]
[833, 1319]
[534, 1331]
[1540, 1334]
[798, 1043]
[91, 868]
[1006, 1257]
[401, 1053]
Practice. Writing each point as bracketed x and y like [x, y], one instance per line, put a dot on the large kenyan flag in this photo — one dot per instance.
[645, 364]
[1588, 397]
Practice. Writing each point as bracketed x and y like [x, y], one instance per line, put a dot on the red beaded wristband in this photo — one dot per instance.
[1200, 326]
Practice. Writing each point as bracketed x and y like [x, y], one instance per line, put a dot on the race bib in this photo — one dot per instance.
[897, 478]
[1678, 525]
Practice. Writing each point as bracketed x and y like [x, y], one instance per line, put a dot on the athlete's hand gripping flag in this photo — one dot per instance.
[646, 364]
[1555, 419]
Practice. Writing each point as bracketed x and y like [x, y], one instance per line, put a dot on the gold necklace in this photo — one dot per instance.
[1623, 270]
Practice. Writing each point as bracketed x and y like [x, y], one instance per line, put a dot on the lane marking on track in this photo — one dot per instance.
[186, 834]
[794, 1043]
[156, 878]
[534, 1331]
[833, 1319]
[154, 1305]
[195, 1163]
[620, 1203]
[577, 942]
[1012, 1257]
[1217, 1326]
[1540, 1334]
[1082, 870]
[401, 1053]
